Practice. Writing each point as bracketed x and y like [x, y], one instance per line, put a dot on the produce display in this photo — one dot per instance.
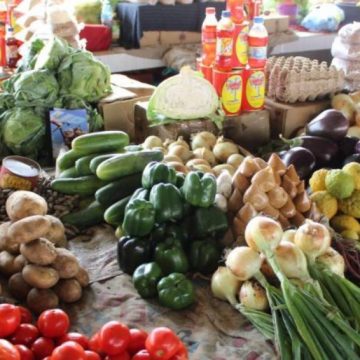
[311, 310]
[50, 338]
[33, 255]
[171, 227]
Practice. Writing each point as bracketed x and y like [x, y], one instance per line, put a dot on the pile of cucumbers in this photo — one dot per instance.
[103, 168]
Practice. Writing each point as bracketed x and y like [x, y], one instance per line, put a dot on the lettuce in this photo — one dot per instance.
[29, 59]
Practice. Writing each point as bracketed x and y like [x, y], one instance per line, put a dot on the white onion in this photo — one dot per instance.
[333, 261]
[253, 296]
[224, 149]
[152, 141]
[203, 139]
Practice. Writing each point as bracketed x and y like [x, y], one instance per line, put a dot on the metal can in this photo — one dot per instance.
[240, 47]
[254, 89]
[229, 86]
[19, 173]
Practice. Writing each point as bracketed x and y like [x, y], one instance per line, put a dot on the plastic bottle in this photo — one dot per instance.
[107, 13]
[224, 42]
[258, 41]
[237, 11]
[208, 37]
[12, 53]
[3, 18]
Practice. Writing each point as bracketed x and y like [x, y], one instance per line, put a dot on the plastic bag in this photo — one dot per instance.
[345, 51]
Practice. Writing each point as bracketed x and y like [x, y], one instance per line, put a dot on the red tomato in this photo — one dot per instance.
[142, 355]
[76, 337]
[91, 355]
[42, 347]
[162, 343]
[114, 338]
[123, 356]
[182, 353]
[26, 316]
[10, 317]
[25, 334]
[53, 323]
[94, 343]
[137, 340]
[69, 350]
[25, 352]
[8, 351]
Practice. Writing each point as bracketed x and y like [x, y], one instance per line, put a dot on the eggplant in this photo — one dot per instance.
[357, 147]
[324, 150]
[347, 145]
[330, 124]
[303, 160]
[352, 158]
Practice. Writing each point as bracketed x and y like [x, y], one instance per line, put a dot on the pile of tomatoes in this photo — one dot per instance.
[50, 339]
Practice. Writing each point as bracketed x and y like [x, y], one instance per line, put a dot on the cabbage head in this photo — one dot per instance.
[23, 131]
[35, 88]
[29, 59]
[81, 74]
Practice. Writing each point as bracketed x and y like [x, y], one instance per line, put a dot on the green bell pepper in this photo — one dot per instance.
[132, 252]
[177, 231]
[176, 291]
[199, 189]
[171, 257]
[204, 256]
[209, 222]
[167, 201]
[141, 193]
[156, 173]
[139, 218]
[146, 278]
[180, 178]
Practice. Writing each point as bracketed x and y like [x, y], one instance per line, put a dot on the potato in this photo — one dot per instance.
[4, 235]
[21, 204]
[39, 300]
[56, 233]
[40, 251]
[82, 277]
[41, 277]
[66, 264]
[29, 229]
[8, 265]
[18, 287]
[20, 261]
[68, 290]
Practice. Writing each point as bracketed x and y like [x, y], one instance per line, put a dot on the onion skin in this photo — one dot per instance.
[333, 261]
[224, 149]
[289, 235]
[253, 296]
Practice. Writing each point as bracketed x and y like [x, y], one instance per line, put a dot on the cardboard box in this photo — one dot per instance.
[150, 38]
[276, 23]
[179, 37]
[249, 129]
[286, 119]
[117, 109]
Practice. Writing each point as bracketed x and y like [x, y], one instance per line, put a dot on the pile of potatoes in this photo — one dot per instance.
[40, 270]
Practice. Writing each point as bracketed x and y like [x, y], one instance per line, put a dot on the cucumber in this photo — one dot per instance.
[67, 160]
[68, 173]
[89, 216]
[111, 193]
[114, 215]
[94, 163]
[82, 165]
[133, 148]
[100, 142]
[84, 185]
[127, 164]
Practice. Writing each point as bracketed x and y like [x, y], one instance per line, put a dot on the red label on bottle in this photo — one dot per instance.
[208, 36]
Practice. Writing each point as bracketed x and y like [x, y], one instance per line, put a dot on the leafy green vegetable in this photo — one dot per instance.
[7, 101]
[23, 131]
[81, 74]
[29, 59]
[35, 88]
[88, 11]
[52, 54]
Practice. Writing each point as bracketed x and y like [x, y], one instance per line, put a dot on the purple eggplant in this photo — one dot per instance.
[324, 150]
[303, 160]
[357, 147]
[347, 145]
[352, 158]
[330, 124]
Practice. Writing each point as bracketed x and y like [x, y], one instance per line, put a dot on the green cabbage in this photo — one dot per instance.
[182, 97]
[35, 88]
[88, 11]
[7, 101]
[23, 131]
[82, 75]
[29, 59]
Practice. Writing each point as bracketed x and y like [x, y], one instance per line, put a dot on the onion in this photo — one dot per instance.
[243, 262]
[289, 235]
[203, 168]
[263, 233]
[223, 149]
[218, 169]
[292, 261]
[206, 154]
[180, 141]
[224, 185]
[160, 148]
[313, 239]
[333, 261]
[152, 141]
[203, 139]
[221, 202]
[174, 158]
[181, 151]
[180, 167]
[253, 296]
[235, 160]
[168, 142]
[225, 285]
[193, 162]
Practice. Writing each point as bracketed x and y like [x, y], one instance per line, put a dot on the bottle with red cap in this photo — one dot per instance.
[224, 42]
[208, 37]
[258, 39]
[12, 53]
